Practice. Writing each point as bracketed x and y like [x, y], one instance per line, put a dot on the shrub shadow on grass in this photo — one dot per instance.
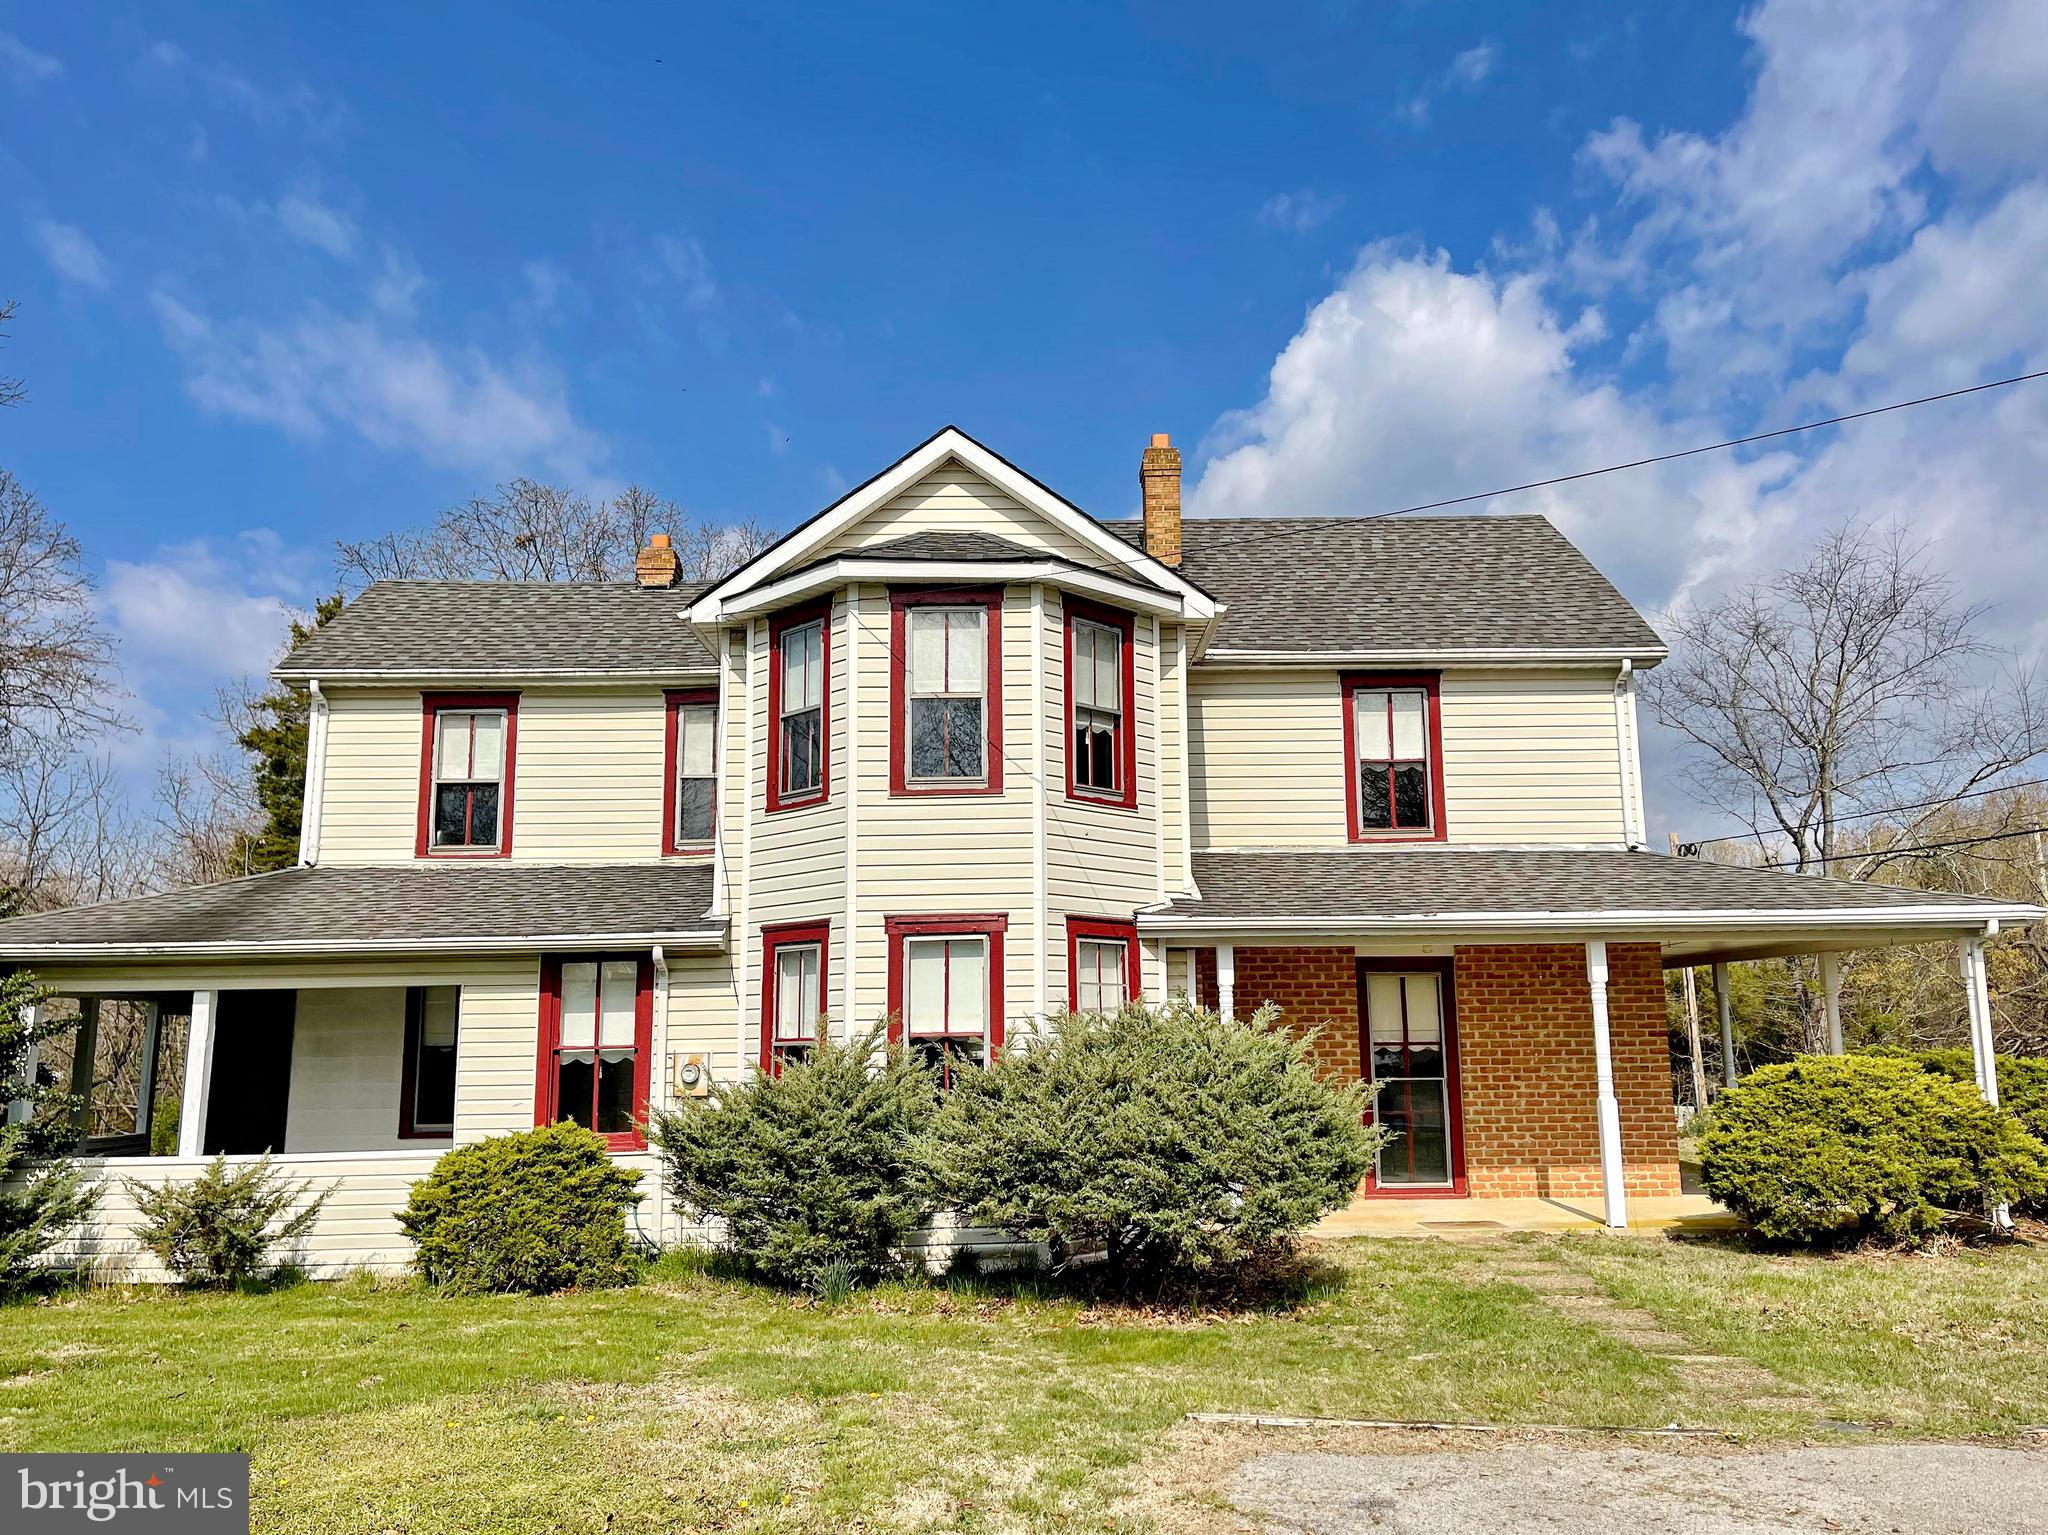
[1278, 1284]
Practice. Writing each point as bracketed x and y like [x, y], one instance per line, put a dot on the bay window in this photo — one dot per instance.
[1393, 742]
[466, 760]
[799, 682]
[946, 990]
[945, 692]
[690, 781]
[792, 992]
[597, 1026]
[1102, 756]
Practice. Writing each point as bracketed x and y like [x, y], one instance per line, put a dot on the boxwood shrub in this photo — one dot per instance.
[1827, 1149]
[815, 1174]
[535, 1211]
[1167, 1144]
[2022, 1088]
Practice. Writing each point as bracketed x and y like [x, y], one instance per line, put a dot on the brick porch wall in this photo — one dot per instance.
[1525, 1054]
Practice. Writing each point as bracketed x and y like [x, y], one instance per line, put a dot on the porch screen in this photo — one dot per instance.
[1405, 1027]
[595, 1054]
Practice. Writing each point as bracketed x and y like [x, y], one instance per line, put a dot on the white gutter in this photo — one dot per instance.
[1606, 921]
[1220, 657]
[1633, 831]
[852, 567]
[313, 798]
[697, 938]
[671, 676]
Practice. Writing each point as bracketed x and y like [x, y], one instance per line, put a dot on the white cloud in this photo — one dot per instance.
[306, 218]
[71, 253]
[683, 261]
[1465, 73]
[26, 66]
[320, 371]
[1299, 212]
[191, 612]
[221, 86]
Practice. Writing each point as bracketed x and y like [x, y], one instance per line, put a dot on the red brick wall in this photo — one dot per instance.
[1525, 1056]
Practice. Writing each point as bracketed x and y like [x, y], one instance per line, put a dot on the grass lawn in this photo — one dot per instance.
[693, 1402]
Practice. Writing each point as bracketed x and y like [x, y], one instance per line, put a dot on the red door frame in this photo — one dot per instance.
[1444, 970]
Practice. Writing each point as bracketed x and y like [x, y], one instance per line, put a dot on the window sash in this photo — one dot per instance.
[597, 1045]
[798, 1002]
[436, 1038]
[696, 774]
[946, 696]
[1095, 676]
[1101, 974]
[946, 986]
[469, 773]
[1391, 767]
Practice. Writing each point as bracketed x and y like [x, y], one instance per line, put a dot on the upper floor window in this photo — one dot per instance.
[799, 681]
[466, 760]
[596, 1039]
[1393, 742]
[1102, 964]
[945, 685]
[690, 787]
[1102, 756]
[946, 989]
[427, 1101]
[792, 992]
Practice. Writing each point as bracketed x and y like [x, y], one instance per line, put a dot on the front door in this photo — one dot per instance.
[1408, 1039]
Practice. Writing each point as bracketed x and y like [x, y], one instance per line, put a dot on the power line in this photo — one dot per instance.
[1894, 852]
[1638, 463]
[1865, 815]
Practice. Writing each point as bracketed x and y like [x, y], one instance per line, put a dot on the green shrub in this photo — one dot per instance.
[43, 1195]
[1835, 1149]
[814, 1173]
[219, 1229]
[534, 1212]
[2022, 1080]
[1173, 1144]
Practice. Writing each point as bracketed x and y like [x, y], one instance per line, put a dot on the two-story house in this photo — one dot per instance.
[956, 754]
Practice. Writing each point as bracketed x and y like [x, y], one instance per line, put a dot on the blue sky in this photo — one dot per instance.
[293, 274]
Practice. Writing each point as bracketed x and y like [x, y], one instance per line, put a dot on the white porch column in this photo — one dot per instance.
[19, 1108]
[1725, 1010]
[1158, 988]
[1603, 1066]
[1226, 980]
[1831, 992]
[198, 1075]
[1977, 1003]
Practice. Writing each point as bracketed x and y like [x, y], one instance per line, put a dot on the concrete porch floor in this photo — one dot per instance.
[1483, 1217]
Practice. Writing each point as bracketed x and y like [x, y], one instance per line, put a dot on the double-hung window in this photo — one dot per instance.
[792, 993]
[945, 687]
[946, 990]
[1396, 777]
[596, 1037]
[466, 772]
[1101, 743]
[1102, 964]
[690, 790]
[799, 682]
[432, 1022]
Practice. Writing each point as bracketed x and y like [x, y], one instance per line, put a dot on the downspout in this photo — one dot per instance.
[1632, 831]
[312, 799]
[660, 1092]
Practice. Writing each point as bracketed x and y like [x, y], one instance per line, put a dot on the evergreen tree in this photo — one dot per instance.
[274, 733]
[41, 1193]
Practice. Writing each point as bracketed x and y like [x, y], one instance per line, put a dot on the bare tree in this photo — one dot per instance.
[54, 655]
[12, 390]
[527, 531]
[1852, 683]
[67, 837]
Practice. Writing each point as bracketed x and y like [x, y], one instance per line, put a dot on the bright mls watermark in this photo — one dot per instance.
[160, 1494]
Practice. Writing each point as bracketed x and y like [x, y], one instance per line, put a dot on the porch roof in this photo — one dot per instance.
[389, 909]
[1698, 911]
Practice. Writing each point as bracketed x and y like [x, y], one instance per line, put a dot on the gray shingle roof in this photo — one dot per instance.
[1402, 583]
[1441, 881]
[385, 909]
[478, 628]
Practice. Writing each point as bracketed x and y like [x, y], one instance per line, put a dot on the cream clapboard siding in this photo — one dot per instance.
[930, 855]
[953, 497]
[348, 1062]
[1100, 861]
[587, 782]
[1529, 757]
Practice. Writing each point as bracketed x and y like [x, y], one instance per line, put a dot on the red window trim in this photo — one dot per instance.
[901, 601]
[1109, 929]
[1428, 682]
[408, 1074]
[788, 935]
[544, 1106]
[431, 704]
[991, 926]
[1127, 746]
[1445, 971]
[795, 618]
[672, 701]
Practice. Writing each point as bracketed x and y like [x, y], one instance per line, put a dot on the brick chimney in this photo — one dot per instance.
[656, 564]
[1159, 480]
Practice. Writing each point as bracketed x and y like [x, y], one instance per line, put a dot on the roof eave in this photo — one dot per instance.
[1248, 657]
[703, 938]
[455, 676]
[711, 611]
[1599, 922]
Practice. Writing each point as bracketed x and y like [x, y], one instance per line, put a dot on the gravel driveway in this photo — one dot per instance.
[1913, 1489]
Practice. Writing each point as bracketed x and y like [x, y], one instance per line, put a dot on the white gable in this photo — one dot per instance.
[952, 499]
